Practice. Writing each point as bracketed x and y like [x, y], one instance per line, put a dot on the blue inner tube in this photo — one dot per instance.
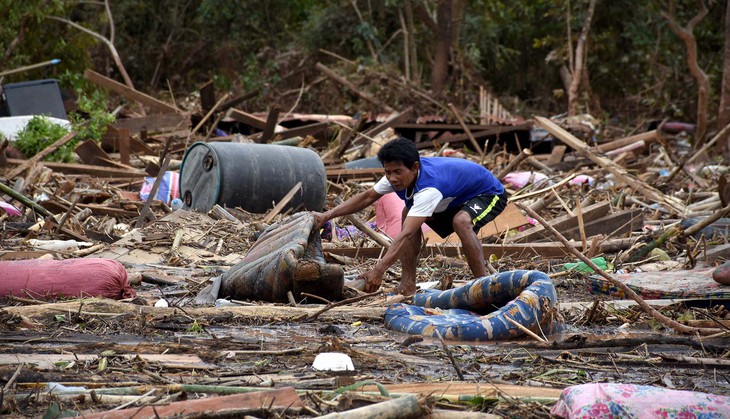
[477, 311]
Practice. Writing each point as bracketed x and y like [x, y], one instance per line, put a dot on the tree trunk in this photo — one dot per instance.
[581, 52]
[440, 71]
[415, 73]
[724, 116]
[686, 34]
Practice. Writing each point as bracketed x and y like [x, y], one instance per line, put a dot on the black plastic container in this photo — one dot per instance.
[252, 176]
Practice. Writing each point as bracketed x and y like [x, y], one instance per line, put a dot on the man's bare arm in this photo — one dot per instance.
[351, 206]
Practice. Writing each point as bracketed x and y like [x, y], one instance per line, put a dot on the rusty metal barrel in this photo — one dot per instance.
[252, 176]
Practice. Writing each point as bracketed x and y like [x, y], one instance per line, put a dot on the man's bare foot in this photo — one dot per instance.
[407, 287]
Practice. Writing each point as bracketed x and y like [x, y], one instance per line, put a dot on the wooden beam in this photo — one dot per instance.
[90, 153]
[494, 130]
[85, 169]
[354, 173]
[154, 123]
[561, 223]
[648, 138]
[247, 118]
[129, 93]
[207, 96]
[39, 156]
[620, 173]
[526, 250]
[270, 127]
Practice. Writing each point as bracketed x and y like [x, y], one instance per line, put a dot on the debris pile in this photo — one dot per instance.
[630, 229]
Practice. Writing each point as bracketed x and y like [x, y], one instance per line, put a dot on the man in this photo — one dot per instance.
[448, 194]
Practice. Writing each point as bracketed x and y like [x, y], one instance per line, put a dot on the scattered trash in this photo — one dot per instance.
[333, 361]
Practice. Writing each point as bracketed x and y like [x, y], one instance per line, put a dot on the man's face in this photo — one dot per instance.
[400, 176]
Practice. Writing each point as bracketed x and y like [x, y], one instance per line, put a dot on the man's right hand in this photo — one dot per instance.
[319, 219]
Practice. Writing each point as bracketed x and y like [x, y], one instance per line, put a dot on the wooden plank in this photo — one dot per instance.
[510, 218]
[519, 250]
[495, 130]
[25, 164]
[90, 153]
[124, 145]
[85, 169]
[486, 390]
[619, 172]
[110, 140]
[247, 118]
[154, 123]
[563, 222]
[391, 122]
[258, 403]
[270, 127]
[375, 172]
[302, 131]
[107, 210]
[129, 93]
[167, 360]
[616, 225]
[22, 255]
[529, 250]
[207, 96]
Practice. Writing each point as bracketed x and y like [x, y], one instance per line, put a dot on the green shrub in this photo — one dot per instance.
[38, 134]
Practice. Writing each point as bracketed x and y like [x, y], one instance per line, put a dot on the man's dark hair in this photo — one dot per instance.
[399, 150]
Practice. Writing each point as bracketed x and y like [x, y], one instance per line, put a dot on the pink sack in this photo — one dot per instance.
[520, 179]
[614, 400]
[64, 278]
[388, 214]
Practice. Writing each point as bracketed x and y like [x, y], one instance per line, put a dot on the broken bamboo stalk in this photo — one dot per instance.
[365, 228]
[24, 200]
[623, 287]
[41, 155]
[720, 135]
[402, 407]
[342, 303]
[67, 214]
[707, 221]
[526, 330]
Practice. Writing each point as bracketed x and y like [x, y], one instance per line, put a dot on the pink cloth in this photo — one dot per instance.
[388, 214]
[613, 400]
[92, 277]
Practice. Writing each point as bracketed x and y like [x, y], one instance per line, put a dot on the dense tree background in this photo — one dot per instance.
[636, 66]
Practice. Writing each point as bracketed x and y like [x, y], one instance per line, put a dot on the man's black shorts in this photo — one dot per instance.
[482, 209]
